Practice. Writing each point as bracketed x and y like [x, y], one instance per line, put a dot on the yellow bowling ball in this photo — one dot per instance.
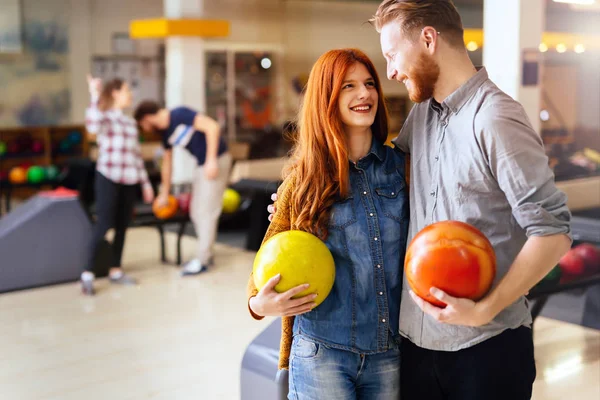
[300, 258]
[231, 201]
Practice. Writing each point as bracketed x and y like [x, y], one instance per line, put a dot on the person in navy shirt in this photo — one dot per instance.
[201, 136]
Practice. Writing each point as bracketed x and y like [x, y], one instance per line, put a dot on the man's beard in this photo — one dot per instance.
[423, 77]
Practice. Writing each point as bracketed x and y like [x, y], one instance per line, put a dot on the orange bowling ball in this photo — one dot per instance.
[17, 175]
[452, 256]
[167, 211]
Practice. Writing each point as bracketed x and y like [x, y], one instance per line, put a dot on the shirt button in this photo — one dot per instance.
[392, 193]
[444, 123]
[436, 158]
[375, 239]
[364, 192]
[381, 293]
[378, 266]
[432, 194]
[371, 214]
[383, 320]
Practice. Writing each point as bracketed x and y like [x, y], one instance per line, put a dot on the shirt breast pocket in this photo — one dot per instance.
[342, 214]
[392, 199]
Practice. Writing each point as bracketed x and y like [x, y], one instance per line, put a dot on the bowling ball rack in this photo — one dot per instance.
[541, 295]
[584, 228]
[145, 217]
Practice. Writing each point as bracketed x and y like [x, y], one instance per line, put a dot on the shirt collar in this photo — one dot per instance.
[459, 97]
[376, 151]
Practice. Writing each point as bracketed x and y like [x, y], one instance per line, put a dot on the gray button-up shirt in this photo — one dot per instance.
[476, 159]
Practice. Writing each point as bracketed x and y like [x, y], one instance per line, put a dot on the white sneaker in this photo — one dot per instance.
[193, 267]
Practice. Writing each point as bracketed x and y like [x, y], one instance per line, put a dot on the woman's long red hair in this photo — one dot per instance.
[319, 161]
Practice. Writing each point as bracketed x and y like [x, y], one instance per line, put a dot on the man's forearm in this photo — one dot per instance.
[165, 172]
[212, 143]
[537, 257]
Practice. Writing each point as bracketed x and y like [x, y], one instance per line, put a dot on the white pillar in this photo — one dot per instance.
[185, 77]
[512, 33]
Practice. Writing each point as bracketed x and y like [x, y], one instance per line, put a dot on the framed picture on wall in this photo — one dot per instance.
[11, 35]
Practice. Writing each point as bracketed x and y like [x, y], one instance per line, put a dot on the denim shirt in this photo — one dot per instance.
[367, 238]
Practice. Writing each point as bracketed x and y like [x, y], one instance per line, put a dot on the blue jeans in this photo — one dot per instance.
[323, 373]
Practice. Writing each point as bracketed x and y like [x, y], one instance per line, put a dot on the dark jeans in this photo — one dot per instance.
[500, 368]
[114, 209]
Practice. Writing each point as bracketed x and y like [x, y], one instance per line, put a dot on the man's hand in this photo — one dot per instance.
[537, 257]
[211, 169]
[271, 208]
[457, 312]
[162, 199]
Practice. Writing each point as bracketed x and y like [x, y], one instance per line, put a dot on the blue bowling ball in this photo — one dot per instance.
[74, 137]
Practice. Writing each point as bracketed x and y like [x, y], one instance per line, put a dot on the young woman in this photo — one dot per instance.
[346, 187]
[119, 171]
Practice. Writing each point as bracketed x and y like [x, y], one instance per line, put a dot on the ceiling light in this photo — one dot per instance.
[472, 46]
[583, 2]
[265, 63]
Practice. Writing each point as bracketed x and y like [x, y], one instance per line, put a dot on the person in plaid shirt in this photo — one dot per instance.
[119, 171]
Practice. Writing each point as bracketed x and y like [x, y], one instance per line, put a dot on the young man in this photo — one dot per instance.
[200, 135]
[475, 158]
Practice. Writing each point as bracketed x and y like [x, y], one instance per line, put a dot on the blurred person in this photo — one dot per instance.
[119, 172]
[201, 136]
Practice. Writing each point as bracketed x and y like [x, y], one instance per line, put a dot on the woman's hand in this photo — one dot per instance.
[148, 194]
[94, 85]
[270, 303]
[272, 208]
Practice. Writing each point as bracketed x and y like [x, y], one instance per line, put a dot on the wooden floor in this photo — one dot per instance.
[174, 338]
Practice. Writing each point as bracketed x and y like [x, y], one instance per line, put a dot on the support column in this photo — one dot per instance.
[184, 32]
[185, 79]
[512, 34]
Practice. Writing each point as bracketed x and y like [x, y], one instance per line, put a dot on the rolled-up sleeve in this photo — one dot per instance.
[519, 163]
